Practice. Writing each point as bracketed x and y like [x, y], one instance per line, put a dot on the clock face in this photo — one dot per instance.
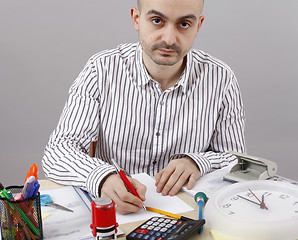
[255, 210]
[261, 203]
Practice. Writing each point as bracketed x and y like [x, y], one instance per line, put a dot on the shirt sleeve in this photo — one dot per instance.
[228, 134]
[66, 157]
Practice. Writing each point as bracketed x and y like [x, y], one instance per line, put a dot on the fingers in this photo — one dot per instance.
[139, 187]
[126, 202]
[173, 177]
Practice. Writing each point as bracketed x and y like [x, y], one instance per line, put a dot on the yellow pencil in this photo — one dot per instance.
[172, 215]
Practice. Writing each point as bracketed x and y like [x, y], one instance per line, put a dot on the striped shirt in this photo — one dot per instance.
[115, 101]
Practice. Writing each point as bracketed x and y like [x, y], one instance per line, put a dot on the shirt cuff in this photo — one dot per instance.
[202, 162]
[96, 176]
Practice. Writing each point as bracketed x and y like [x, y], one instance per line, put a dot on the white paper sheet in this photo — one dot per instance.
[155, 200]
[210, 183]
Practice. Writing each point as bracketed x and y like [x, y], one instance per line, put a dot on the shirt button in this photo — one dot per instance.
[157, 134]
[162, 103]
[154, 162]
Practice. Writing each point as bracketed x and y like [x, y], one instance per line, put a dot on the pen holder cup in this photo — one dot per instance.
[20, 219]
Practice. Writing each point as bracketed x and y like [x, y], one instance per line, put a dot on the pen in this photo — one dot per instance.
[172, 215]
[28, 186]
[126, 181]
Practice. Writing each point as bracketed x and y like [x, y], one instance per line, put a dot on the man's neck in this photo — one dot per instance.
[166, 76]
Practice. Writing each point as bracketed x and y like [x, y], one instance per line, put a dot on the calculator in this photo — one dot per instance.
[160, 228]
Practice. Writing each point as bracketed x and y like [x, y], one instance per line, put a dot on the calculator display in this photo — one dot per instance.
[158, 228]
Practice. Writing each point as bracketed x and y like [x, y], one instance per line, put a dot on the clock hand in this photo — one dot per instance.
[261, 203]
[249, 200]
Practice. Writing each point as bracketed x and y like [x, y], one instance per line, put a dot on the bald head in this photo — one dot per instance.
[141, 3]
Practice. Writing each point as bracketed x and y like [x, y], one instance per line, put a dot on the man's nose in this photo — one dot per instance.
[169, 35]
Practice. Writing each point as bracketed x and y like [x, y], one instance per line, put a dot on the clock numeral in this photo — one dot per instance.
[249, 194]
[295, 203]
[234, 198]
[266, 194]
[231, 213]
[283, 196]
[296, 211]
[227, 205]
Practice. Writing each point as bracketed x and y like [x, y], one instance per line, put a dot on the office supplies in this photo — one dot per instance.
[201, 199]
[28, 187]
[165, 228]
[104, 223]
[75, 225]
[235, 217]
[31, 230]
[172, 215]
[45, 200]
[34, 189]
[126, 181]
[23, 205]
[33, 171]
[251, 168]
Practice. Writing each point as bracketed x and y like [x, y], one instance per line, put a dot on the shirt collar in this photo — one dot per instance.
[184, 80]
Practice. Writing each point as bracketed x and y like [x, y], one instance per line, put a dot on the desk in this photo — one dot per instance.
[205, 235]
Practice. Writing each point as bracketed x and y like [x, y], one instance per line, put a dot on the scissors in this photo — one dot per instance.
[45, 200]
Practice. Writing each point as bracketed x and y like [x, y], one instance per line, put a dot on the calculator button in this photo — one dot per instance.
[179, 223]
[173, 221]
[150, 227]
[156, 224]
[157, 234]
[169, 225]
[144, 226]
[142, 231]
[139, 235]
[149, 222]
[170, 230]
[133, 234]
[175, 226]
[151, 232]
[160, 238]
[162, 224]
[152, 238]
[157, 228]
[161, 220]
[163, 229]
[154, 219]
[146, 237]
[167, 220]
[164, 234]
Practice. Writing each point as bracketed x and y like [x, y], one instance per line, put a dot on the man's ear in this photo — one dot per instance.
[135, 16]
[200, 23]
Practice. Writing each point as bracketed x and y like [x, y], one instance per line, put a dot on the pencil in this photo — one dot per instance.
[172, 215]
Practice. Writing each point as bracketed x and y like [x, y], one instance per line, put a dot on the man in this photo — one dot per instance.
[156, 107]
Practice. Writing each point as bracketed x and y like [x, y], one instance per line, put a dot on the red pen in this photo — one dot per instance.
[126, 181]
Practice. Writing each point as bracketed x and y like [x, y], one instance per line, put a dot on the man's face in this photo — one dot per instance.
[167, 28]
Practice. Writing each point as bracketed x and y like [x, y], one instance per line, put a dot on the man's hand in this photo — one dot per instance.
[126, 202]
[172, 178]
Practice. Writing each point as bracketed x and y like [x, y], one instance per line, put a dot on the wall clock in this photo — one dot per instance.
[258, 210]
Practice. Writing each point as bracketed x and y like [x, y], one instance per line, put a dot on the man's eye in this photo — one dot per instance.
[185, 25]
[156, 21]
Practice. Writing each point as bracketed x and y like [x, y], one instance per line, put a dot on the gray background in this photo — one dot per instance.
[45, 44]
